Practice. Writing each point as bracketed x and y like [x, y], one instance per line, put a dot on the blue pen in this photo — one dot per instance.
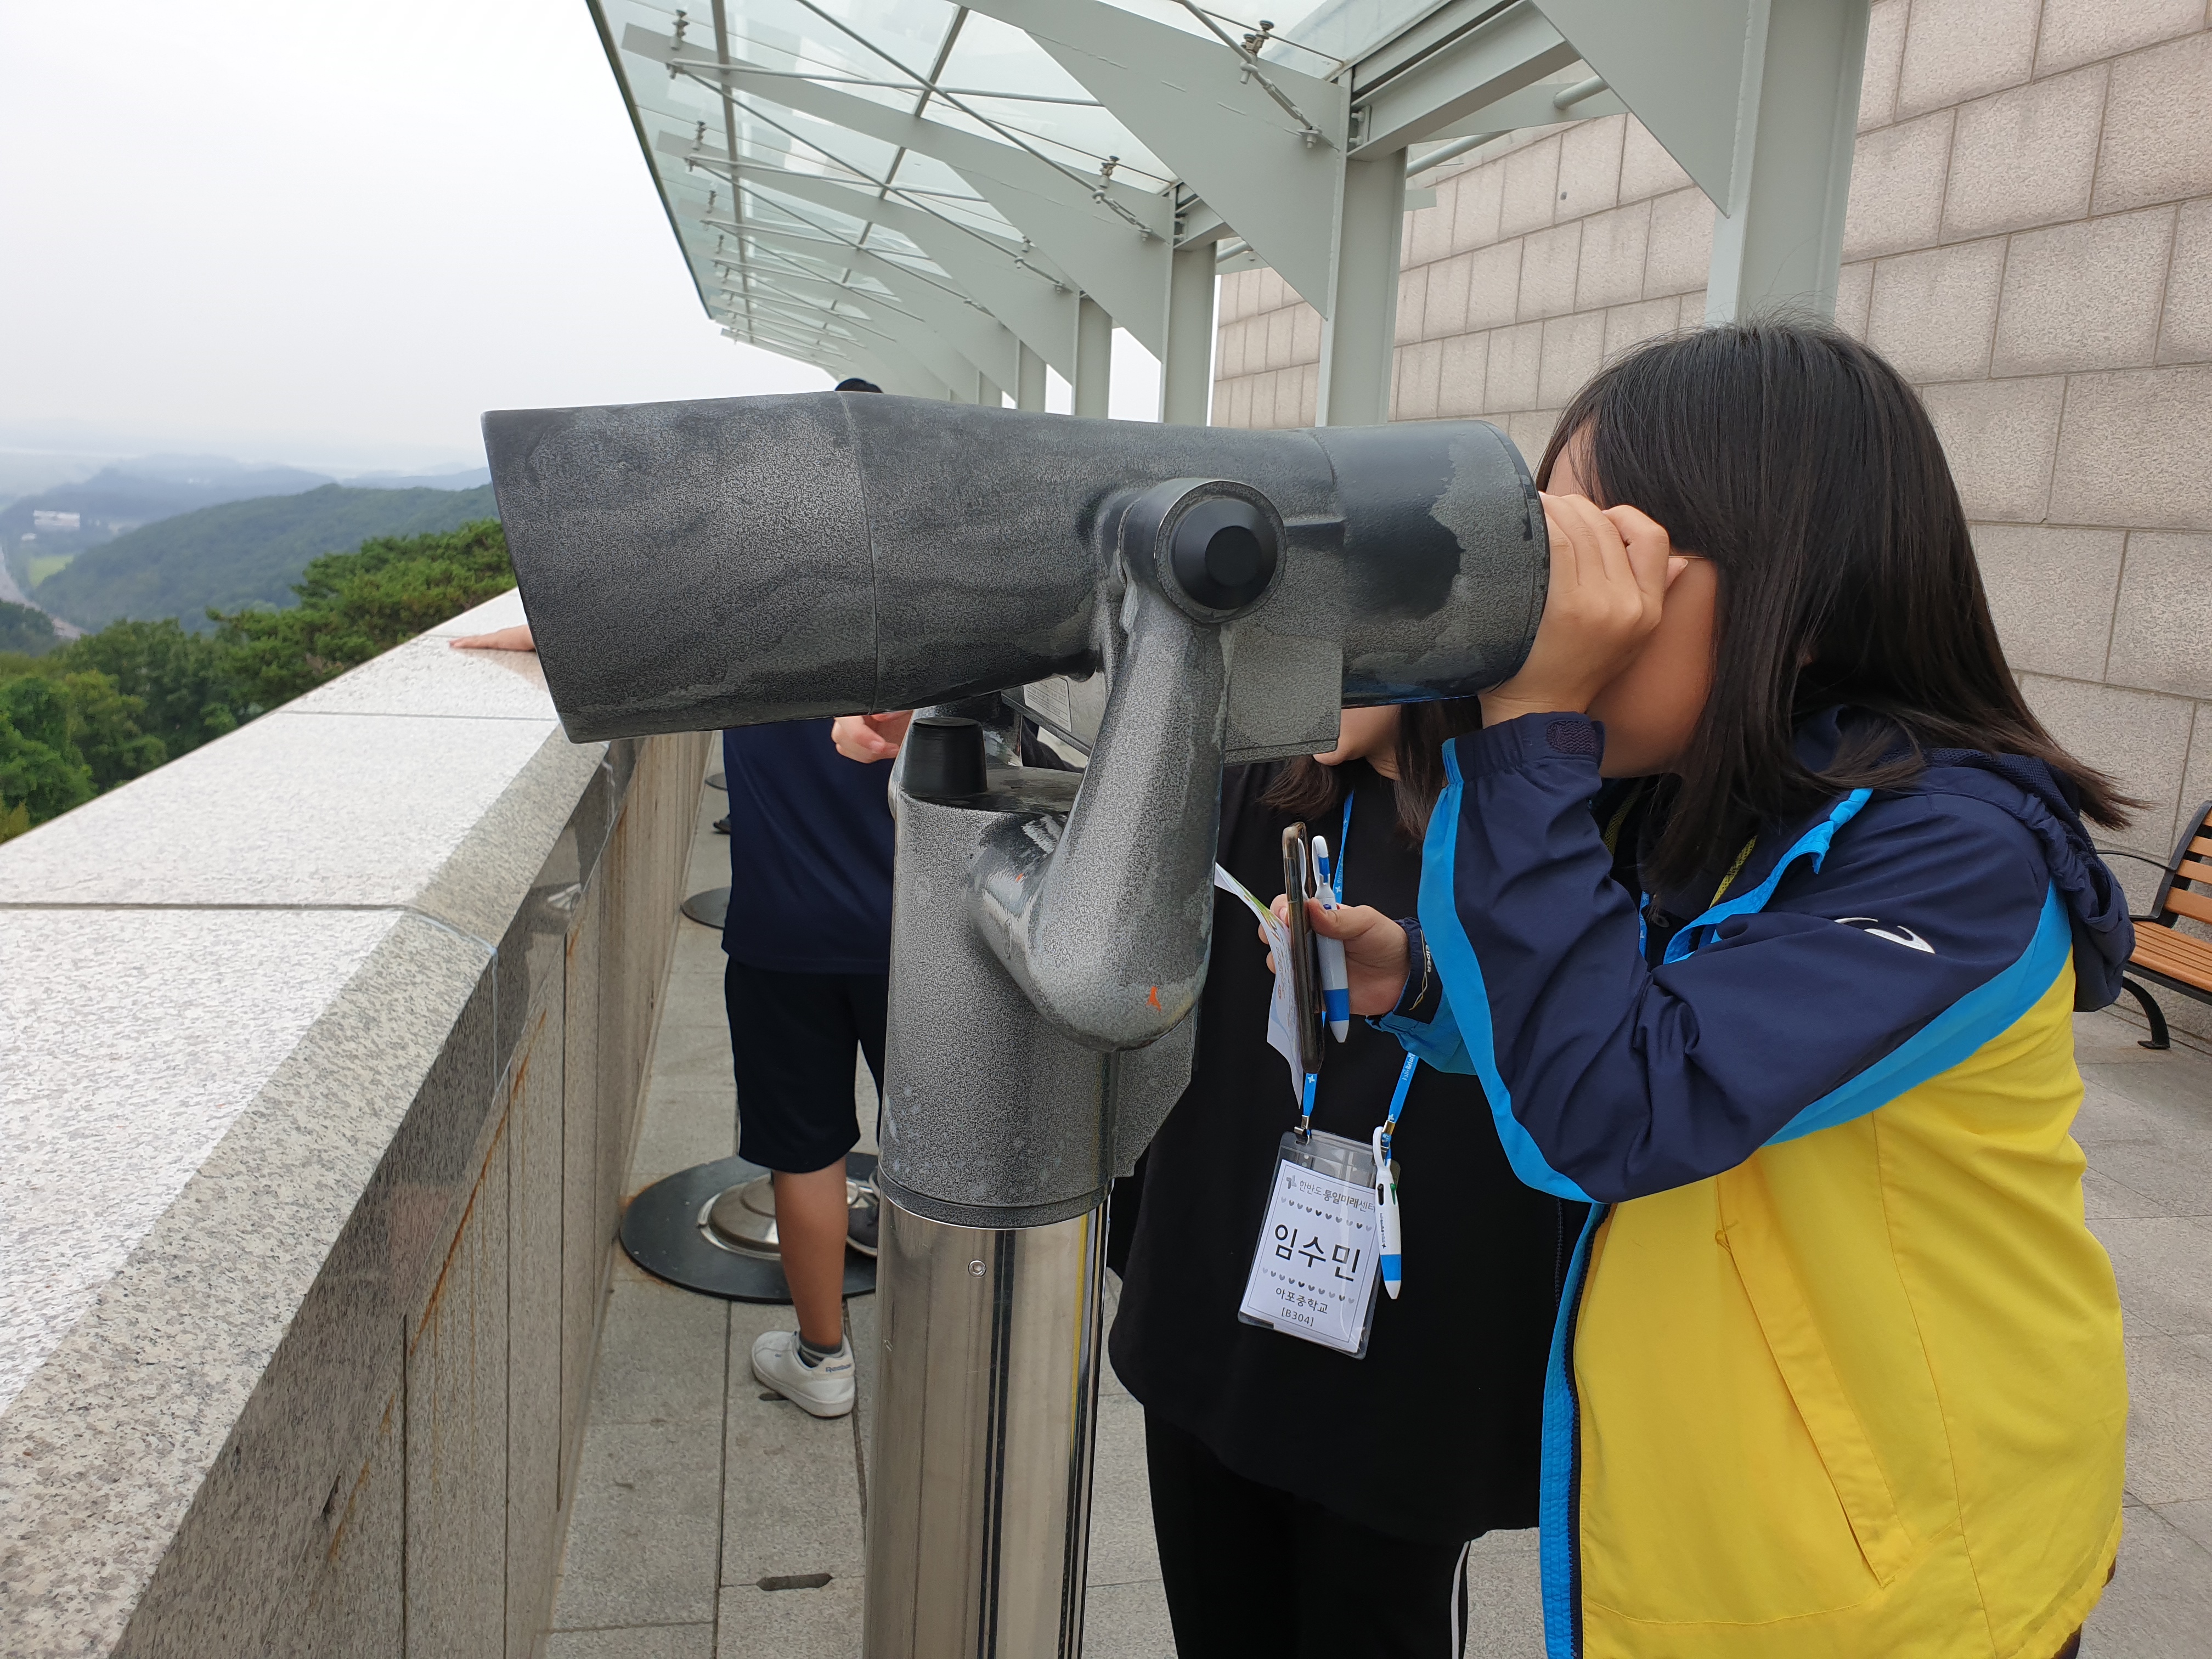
[1335, 987]
[1390, 1258]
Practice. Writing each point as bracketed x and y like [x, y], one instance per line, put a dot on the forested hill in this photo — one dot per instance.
[242, 553]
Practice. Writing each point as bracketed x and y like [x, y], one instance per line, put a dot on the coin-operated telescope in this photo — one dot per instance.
[1168, 598]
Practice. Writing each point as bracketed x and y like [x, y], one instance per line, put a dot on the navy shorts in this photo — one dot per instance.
[793, 1036]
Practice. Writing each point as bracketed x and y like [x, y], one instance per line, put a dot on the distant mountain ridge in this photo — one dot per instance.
[241, 553]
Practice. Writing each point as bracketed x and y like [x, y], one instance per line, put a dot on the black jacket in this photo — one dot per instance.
[1433, 1436]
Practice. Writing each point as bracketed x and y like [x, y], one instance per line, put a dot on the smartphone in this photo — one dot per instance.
[1298, 883]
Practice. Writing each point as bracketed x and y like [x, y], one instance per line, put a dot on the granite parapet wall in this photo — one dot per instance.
[320, 1057]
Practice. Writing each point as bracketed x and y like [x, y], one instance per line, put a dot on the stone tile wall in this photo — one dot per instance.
[2029, 240]
[323, 1093]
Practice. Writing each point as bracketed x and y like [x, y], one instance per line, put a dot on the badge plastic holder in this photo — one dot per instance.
[1323, 1295]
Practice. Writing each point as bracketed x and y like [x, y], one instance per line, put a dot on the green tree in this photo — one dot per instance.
[355, 605]
[26, 630]
[41, 769]
[104, 729]
[182, 680]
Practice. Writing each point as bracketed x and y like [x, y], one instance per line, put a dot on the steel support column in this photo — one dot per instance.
[1357, 341]
[1186, 370]
[1094, 358]
[1780, 242]
[987, 392]
[1029, 387]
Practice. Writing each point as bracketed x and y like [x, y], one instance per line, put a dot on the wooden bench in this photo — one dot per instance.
[2164, 955]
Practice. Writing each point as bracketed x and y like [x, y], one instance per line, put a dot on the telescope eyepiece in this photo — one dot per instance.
[944, 759]
[1222, 553]
[1213, 546]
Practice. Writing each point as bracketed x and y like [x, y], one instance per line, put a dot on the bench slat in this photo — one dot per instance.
[2201, 844]
[2195, 905]
[2193, 870]
[2175, 955]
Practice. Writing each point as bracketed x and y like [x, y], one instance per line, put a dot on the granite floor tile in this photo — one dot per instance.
[2176, 1086]
[793, 1623]
[2171, 1173]
[2104, 1199]
[2159, 1605]
[2164, 1265]
[2193, 1519]
[643, 1533]
[685, 1124]
[2169, 1419]
[1127, 1621]
[662, 1355]
[634, 1642]
[1504, 1604]
[792, 1501]
[1123, 1548]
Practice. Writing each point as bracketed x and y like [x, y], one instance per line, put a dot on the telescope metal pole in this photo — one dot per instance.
[979, 1512]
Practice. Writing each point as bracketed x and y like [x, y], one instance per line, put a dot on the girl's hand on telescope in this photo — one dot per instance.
[1376, 957]
[870, 736]
[1611, 568]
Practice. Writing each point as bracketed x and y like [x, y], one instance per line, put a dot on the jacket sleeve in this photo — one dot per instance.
[1869, 958]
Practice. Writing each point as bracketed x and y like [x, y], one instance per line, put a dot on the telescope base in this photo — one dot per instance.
[979, 1505]
[668, 1229]
[709, 906]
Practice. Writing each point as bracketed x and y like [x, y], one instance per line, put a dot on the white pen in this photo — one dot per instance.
[1335, 988]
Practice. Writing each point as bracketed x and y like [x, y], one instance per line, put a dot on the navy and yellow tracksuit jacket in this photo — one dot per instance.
[1838, 1371]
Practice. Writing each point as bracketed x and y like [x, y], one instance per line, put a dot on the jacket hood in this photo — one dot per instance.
[2044, 801]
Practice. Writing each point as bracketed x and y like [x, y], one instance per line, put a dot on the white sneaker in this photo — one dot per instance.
[824, 1390]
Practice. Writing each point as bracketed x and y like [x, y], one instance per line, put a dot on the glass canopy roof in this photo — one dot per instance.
[775, 191]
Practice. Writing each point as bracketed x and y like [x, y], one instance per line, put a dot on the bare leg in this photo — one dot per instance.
[810, 1223]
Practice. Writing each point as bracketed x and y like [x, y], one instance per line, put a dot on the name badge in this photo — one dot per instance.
[1313, 1270]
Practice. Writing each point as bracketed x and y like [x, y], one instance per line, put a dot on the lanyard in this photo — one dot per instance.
[1335, 878]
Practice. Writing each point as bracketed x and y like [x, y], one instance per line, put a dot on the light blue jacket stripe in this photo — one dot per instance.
[1470, 1046]
[1556, 1538]
[1812, 844]
[1987, 1010]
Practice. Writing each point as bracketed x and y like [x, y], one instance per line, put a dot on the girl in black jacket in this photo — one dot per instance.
[1306, 1502]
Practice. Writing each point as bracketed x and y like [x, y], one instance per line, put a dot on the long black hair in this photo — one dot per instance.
[1802, 466]
[1307, 789]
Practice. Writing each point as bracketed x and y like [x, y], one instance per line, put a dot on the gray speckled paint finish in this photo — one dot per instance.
[264, 1015]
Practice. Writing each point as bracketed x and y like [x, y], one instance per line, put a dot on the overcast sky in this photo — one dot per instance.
[333, 235]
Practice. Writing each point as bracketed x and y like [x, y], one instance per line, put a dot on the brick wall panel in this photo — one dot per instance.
[2001, 436]
[1897, 187]
[2051, 591]
[1574, 348]
[2157, 138]
[1885, 58]
[1462, 369]
[1932, 313]
[1305, 334]
[1414, 381]
[1412, 295]
[1515, 358]
[1590, 167]
[2136, 449]
[1548, 262]
[1646, 168]
[2162, 627]
[1532, 189]
[1680, 247]
[1478, 200]
[1955, 50]
[2139, 739]
[1854, 297]
[1493, 286]
[1628, 327]
[2085, 296]
[2026, 157]
[2185, 334]
[1443, 312]
[1614, 245]
[2077, 32]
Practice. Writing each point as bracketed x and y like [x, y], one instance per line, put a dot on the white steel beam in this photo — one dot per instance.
[1780, 243]
[1186, 370]
[1401, 99]
[1029, 387]
[1200, 107]
[1358, 343]
[1093, 359]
